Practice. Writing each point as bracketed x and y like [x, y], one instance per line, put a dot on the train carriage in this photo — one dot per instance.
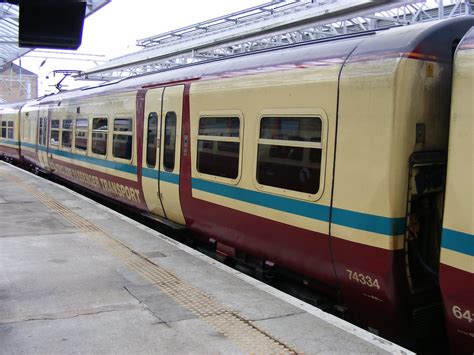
[34, 135]
[457, 246]
[10, 131]
[350, 106]
[392, 136]
[326, 159]
[93, 143]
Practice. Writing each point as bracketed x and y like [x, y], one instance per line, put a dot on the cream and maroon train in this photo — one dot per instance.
[327, 159]
[457, 244]
[10, 131]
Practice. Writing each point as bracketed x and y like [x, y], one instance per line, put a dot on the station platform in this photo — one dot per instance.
[77, 277]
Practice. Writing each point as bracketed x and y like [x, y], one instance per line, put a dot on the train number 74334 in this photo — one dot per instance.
[363, 279]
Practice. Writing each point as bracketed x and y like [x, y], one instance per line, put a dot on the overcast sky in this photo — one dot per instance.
[113, 30]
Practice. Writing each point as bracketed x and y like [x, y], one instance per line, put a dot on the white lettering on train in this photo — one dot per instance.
[113, 188]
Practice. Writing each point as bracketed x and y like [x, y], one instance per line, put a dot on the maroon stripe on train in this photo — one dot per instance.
[60, 167]
[9, 151]
[457, 289]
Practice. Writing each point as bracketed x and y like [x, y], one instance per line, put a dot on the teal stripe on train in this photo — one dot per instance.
[14, 143]
[126, 168]
[368, 222]
[458, 241]
[33, 146]
[362, 221]
[164, 175]
[301, 208]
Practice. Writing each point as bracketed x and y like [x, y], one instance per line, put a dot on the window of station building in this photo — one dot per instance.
[54, 132]
[4, 129]
[66, 133]
[10, 130]
[82, 132]
[170, 141]
[123, 138]
[99, 135]
[289, 153]
[218, 147]
[151, 139]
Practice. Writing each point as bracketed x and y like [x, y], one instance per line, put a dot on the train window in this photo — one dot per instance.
[219, 146]
[289, 153]
[44, 137]
[10, 130]
[123, 137]
[54, 132]
[66, 134]
[170, 141]
[151, 139]
[99, 135]
[40, 130]
[4, 129]
[82, 133]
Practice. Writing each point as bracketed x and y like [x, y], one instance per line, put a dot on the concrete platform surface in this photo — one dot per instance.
[77, 277]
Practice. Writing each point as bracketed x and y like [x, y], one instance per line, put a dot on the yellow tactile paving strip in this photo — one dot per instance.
[240, 331]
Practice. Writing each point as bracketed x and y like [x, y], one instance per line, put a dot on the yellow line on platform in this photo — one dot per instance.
[241, 331]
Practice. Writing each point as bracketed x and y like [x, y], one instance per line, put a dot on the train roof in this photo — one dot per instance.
[11, 106]
[426, 41]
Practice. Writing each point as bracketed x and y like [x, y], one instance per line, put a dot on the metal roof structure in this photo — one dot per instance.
[9, 25]
[276, 23]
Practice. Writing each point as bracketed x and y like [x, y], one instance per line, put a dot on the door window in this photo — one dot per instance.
[151, 139]
[170, 141]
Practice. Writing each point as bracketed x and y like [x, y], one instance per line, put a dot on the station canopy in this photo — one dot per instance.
[269, 25]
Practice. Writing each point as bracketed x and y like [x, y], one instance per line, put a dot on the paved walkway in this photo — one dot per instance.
[76, 277]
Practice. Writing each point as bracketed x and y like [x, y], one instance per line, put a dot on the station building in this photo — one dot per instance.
[17, 83]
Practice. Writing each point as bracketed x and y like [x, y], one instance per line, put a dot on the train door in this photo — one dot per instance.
[168, 183]
[427, 172]
[42, 138]
[424, 211]
[151, 151]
